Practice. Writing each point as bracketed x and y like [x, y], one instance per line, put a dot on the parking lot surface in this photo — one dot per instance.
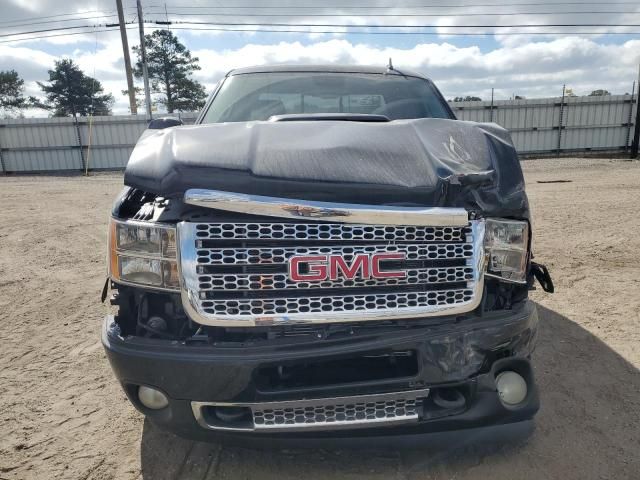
[62, 414]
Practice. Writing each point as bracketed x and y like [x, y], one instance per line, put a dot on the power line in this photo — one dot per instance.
[112, 13]
[410, 15]
[319, 15]
[349, 25]
[327, 32]
[47, 30]
[56, 30]
[263, 28]
[41, 37]
[106, 14]
[387, 7]
[59, 21]
[400, 32]
[335, 25]
[342, 7]
[307, 31]
[57, 15]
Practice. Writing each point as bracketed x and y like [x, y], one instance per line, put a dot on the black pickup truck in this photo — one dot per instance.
[327, 252]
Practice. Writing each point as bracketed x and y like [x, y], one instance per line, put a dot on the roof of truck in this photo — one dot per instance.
[325, 68]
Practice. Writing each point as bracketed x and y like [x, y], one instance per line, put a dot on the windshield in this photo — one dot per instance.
[259, 96]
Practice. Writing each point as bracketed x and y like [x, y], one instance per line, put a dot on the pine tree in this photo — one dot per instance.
[11, 92]
[170, 66]
[71, 92]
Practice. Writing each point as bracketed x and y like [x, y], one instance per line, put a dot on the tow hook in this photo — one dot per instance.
[541, 273]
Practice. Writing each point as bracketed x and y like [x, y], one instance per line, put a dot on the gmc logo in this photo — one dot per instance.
[321, 267]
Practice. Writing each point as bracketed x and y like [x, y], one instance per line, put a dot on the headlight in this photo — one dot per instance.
[506, 243]
[143, 254]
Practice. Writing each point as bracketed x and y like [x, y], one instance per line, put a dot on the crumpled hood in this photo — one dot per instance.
[427, 162]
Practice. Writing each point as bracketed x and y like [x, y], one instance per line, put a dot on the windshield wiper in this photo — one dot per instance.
[344, 117]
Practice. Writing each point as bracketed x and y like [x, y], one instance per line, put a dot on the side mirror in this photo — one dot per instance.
[164, 122]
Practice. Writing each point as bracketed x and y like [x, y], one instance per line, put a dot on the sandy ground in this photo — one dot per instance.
[62, 415]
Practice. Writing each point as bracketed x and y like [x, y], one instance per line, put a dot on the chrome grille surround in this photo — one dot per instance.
[324, 211]
[245, 285]
[323, 414]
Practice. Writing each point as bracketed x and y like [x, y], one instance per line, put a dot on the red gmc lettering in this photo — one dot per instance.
[360, 262]
[317, 268]
[321, 267]
[375, 265]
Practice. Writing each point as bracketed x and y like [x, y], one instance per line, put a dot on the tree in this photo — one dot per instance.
[137, 92]
[71, 92]
[170, 66]
[11, 91]
[468, 98]
[599, 93]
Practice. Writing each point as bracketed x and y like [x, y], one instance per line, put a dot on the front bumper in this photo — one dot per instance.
[461, 355]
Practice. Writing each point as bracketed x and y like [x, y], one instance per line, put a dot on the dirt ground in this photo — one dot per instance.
[62, 415]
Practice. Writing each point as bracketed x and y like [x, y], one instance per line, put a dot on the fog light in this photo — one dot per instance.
[152, 398]
[512, 388]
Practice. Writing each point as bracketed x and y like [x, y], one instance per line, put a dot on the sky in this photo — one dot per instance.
[536, 64]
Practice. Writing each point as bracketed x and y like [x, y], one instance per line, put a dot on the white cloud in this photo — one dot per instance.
[106, 61]
[535, 68]
[527, 66]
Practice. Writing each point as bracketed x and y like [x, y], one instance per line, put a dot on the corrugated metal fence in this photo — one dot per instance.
[51, 144]
[538, 126]
[559, 125]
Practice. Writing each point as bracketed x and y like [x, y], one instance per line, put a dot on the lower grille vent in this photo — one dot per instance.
[366, 412]
[319, 414]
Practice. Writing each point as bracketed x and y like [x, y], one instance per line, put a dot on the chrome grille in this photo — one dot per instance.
[322, 414]
[235, 274]
[362, 411]
[329, 231]
[346, 303]
[280, 281]
[250, 256]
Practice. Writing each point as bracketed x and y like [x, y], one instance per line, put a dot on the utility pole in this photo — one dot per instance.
[143, 55]
[127, 59]
[627, 147]
[491, 108]
[636, 134]
[560, 121]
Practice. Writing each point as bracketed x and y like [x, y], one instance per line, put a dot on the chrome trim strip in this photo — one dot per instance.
[146, 256]
[326, 211]
[506, 280]
[187, 263]
[197, 407]
[147, 287]
[144, 223]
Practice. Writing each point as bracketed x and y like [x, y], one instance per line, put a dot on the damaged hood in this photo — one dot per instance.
[422, 162]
